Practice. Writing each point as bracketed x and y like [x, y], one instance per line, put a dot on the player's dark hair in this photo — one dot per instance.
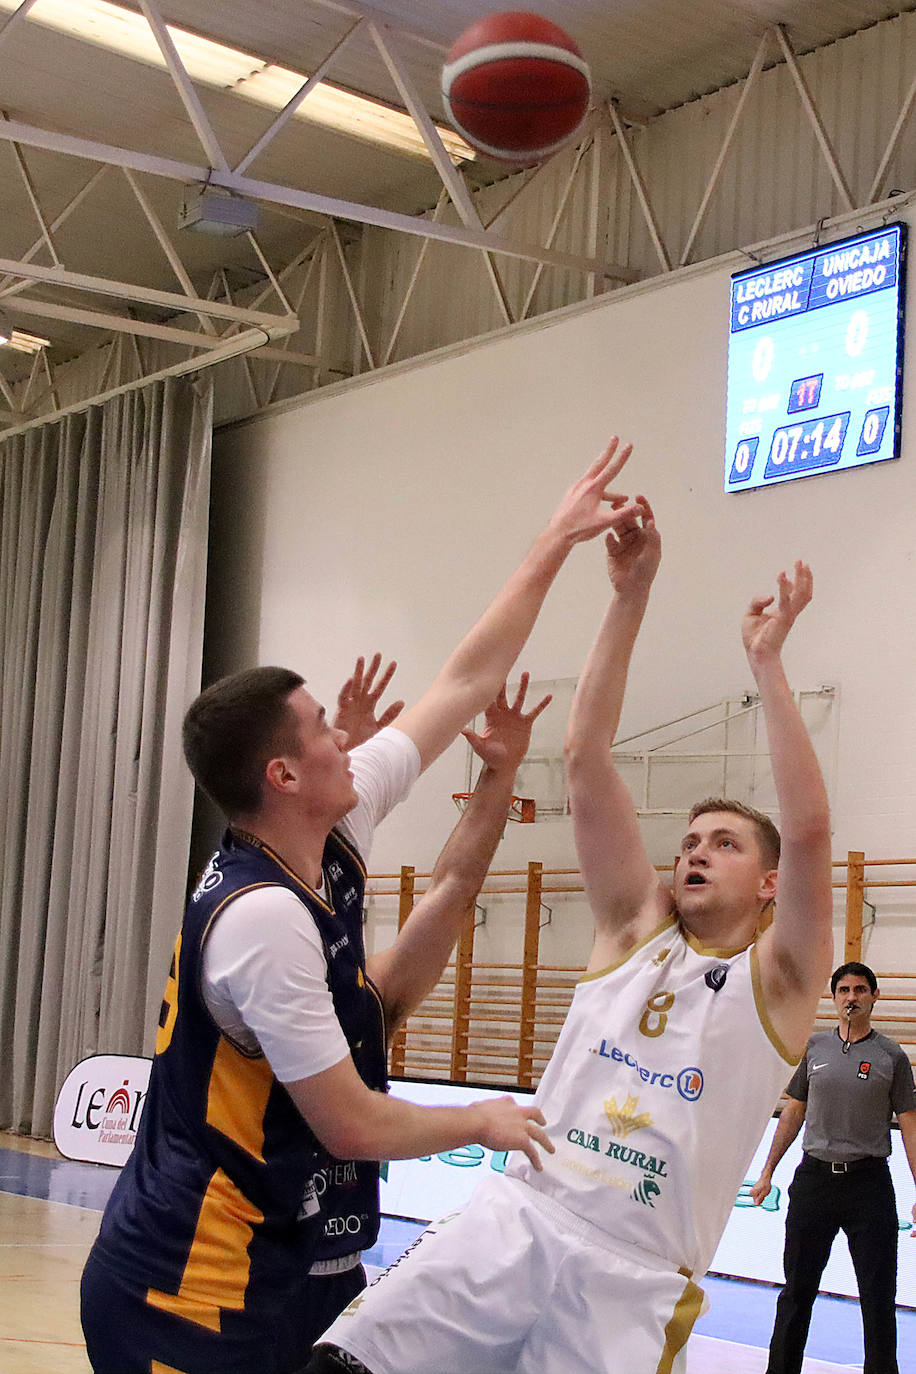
[767, 834]
[233, 729]
[861, 969]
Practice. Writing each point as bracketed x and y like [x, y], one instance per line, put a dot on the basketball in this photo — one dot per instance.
[516, 87]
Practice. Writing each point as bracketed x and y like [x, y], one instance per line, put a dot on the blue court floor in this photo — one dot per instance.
[739, 1312]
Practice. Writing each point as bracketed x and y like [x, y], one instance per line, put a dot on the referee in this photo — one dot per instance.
[848, 1085]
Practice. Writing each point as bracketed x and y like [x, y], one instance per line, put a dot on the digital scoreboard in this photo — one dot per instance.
[815, 361]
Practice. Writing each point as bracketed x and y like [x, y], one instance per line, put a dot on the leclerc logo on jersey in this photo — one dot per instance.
[690, 1084]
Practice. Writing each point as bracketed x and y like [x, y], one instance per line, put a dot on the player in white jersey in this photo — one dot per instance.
[670, 1062]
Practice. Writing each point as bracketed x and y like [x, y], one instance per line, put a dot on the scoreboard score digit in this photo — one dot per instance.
[815, 361]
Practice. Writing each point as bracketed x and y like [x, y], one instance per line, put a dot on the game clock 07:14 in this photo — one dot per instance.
[805, 447]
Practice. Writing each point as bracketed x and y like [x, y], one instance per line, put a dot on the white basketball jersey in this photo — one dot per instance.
[664, 1076]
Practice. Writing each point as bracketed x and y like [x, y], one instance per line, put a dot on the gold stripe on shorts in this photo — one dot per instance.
[681, 1324]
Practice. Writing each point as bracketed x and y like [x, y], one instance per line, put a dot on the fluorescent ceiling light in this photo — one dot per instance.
[213, 64]
[20, 341]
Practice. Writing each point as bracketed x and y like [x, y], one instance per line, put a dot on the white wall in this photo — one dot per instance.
[385, 514]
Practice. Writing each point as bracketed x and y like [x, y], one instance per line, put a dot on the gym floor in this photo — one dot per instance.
[50, 1210]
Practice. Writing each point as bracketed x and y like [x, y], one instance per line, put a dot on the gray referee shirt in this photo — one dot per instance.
[851, 1095]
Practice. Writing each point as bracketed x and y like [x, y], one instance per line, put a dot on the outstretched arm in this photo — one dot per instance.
[406, 972]
[348, 1118]
[353, 1122]
[796, 951]
[623, 889]
[472, 675]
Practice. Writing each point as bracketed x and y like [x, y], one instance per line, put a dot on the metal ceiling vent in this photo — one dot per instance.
[210, 211]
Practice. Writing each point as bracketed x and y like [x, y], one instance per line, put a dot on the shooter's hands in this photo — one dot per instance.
[358, 698]
[507, 1126]
[507, 732]
[634, 547]
[589, 507]
[761, 1189]
[764, 634]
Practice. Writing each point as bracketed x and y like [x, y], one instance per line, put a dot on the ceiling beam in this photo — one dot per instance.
[167, 246]
[449, 175]
[7, 28]
[292, 105]
[749, 84]
[250, 340]
[817, 124]
[146, 295]
[185, 87]
[7, 288]
[127, 324]
[273, 193]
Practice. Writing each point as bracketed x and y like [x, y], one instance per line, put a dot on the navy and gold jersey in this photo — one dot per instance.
[228, 1197]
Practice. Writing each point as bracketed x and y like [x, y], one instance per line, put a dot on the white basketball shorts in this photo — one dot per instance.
[515, 1284]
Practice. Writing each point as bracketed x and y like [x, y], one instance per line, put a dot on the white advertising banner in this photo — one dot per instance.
[99, 1107]
[751, 1246]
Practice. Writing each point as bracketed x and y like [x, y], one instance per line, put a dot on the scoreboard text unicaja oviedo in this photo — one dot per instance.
[815, 361]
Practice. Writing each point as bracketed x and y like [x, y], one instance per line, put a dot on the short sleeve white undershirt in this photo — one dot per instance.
[264, 976]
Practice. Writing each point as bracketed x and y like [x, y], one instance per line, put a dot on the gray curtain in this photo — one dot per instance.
[103, 538]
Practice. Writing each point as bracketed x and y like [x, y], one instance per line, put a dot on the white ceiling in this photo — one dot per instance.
[649, 55]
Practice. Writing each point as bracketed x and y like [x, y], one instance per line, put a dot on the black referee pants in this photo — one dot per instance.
[860, 1203]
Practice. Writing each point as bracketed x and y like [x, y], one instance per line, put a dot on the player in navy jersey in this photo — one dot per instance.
[234, 1233]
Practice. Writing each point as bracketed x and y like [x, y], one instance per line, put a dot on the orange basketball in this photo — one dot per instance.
[516, 87]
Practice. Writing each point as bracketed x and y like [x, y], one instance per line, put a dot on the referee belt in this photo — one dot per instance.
[844, 1166]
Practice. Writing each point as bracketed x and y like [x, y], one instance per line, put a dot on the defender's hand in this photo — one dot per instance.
[634, 547]
[508, 1126]
[358, 698]
[507, 732]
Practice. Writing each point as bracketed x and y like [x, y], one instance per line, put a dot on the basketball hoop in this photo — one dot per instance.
[522, 809]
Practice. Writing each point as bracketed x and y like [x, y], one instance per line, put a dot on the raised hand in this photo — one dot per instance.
[507, 731]
[764, 633]
[358, 698]
[508, 1126]
[634, 547]
[589, 507]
